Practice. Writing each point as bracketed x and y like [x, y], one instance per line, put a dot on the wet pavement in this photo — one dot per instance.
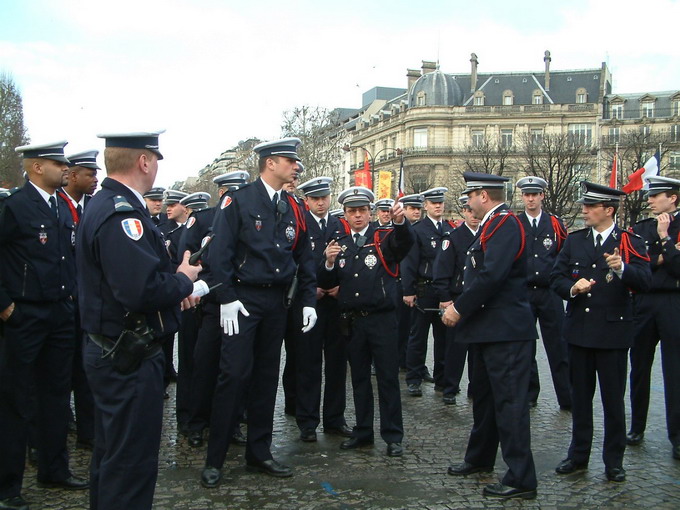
[435, 436]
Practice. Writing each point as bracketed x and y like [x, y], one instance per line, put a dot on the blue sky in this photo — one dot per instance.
[215, 72]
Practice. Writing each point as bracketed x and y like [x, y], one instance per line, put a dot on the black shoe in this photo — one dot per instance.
[568, 466]
[428, 378]
[498, 490]
[465, 468]
[85, 444]
[449, 400]
[414, 390]
[71, 484]
[676, 452]
[15, 503]
[343, 431]
[394, 450]
[195, 439]
[617, 474]
[533, 403]
[634, 439]
[238, 438]
[271, 468]
[183, 429]
[210, 477]
[354, 442]
[308, 435]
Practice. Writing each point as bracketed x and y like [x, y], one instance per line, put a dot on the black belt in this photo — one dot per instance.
[262, 285]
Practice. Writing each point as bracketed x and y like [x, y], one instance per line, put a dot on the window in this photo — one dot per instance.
[675, 108]
[614, 135]
[674, 161]
[581, 96]
[646, 131]
[477, 137]
[508, 98]
[647, 109]
[420, 137]
[580, 134]
[536, 136]
[419, 183]
[506, 137]
[479, 99]
[616, 111]
[420, 99]
[537, 97]
[675, 133]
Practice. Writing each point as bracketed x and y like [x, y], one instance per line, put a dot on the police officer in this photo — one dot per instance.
[129, 294]
[37, 284]
[260, 244]
[207, 348]
[655, 319]
[177, 217]
[595, 272]
[419, 293]
[154, 202]
[82, 182]
[413, 205]
[364, 263]
[323, 345]
[447, 279]
[382, 212]
[496, 321]
[545, 235]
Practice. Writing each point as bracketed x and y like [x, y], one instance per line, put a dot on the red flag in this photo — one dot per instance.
[636, 181]
[614, 179]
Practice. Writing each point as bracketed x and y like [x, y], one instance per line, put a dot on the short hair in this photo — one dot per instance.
[496, 194]
[120, 159]
[669, 193]
[262, 164]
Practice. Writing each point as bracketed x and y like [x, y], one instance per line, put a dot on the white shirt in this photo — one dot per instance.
[46, 196]
[434, 221]
[532, 218]
[76, 204]
[318, 220]
[271, 191]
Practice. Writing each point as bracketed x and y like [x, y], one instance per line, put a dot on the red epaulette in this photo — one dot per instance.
[377, 240]
[560, 231]
[300, 223]
[626, 248]
[346, 226]
[484, 237]
[69, 203]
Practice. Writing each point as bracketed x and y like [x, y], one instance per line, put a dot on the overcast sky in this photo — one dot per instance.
[215, 72]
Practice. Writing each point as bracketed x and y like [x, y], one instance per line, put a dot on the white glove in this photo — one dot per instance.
[308, 318]
[200, 289]
[229, 316]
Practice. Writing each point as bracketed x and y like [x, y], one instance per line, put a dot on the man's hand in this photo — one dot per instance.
[7, 312]
[663, 220]
[582, 286]
[450, 317]
[331, 253]
[333, 292]
[190, 302]
[614, 260]
[229, 316]
[185, 268]
[397, 213]
[445, 304]
[320, 293]
[308, 318]
[410, 301]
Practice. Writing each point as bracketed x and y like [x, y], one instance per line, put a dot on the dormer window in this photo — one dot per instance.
[647, 109]
[537, 97]
[420, 98]
[479, 98]
[616, 111]
[508, 98]
[581, 96]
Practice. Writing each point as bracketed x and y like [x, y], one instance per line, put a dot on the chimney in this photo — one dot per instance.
[429, 67]
[547, 60]
[473, 73]
[412, 75]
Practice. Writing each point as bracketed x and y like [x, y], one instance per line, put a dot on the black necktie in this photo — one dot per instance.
[275, 201]
[439, 227]
[598, 243]
[534, 226]
[53, 206]
[79, 210]
[357, 236]
[322, 225]
[155, 219]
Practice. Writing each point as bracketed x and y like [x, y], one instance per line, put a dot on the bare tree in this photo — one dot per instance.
[490, 156]
[563, 162]
[12, 132]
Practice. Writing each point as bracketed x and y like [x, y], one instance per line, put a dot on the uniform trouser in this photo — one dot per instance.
[168, 343]
[82, 395]
[128, 422]
[548, 309]
[655, 320]
[404, 320]
[249, 359]
[37, 349]
[500, 410]
[186, 343]
[292, 333]
[322, 347]
[417, 347]
[374, 338]
[454, 363]
[609, 366]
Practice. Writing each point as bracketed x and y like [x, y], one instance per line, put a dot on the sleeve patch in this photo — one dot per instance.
[191, 221]
[225, 202]
[133, 228]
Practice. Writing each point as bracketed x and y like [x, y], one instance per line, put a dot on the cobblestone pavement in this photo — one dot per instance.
[436, 435]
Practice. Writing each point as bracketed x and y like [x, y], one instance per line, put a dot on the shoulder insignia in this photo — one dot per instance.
[120, 204]
[191, 221]
[226, 202]
[133, 228]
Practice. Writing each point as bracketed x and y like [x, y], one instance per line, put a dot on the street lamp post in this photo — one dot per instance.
[347, 148]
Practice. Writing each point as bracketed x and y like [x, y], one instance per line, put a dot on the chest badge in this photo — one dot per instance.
[474, 262]
[445, 244]
[258, 225]
[547, 243]
[575, 273]
[341, 263]
[42, 235]
[73, 238]
[433, 242]
[290, 233]
[370, 260]
[609, 277]
[312, 244]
